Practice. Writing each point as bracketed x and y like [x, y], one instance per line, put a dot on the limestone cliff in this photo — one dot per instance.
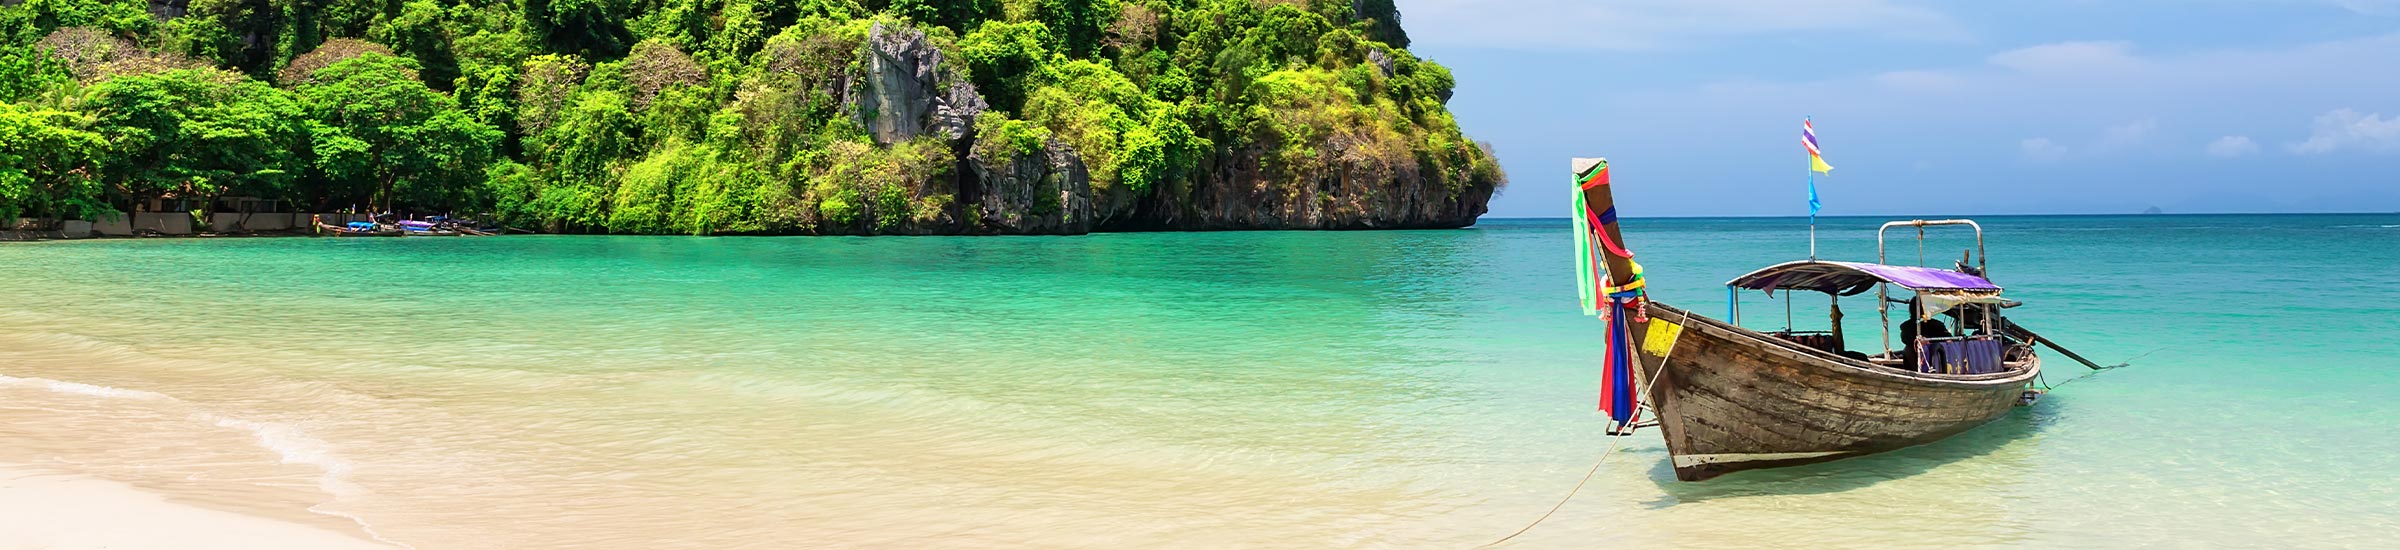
[904, 89]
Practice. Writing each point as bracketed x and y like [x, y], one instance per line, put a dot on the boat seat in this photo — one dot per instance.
[1964, 356]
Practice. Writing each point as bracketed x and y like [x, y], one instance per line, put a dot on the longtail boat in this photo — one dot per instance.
[418, 228]
[1728, 398]
[354, 229]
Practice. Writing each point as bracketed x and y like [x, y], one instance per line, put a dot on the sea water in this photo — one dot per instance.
[1258, 389]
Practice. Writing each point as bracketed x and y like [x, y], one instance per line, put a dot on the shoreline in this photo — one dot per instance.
[43, 508]
[20, 237]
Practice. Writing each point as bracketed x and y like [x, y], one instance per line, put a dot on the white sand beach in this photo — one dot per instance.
[47, 511]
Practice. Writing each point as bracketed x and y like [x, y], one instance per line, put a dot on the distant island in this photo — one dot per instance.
[2153, 210]
[738, 116]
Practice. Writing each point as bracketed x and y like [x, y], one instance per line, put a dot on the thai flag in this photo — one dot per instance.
[1808, 138]
[1816, 163]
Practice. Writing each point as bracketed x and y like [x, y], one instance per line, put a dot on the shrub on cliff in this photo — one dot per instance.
[1124, 135]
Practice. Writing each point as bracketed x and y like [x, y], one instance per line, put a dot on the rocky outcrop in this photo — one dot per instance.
[1050, 194]
[1045, 193]
[902, 90]
[1239, 191]
[169, 9]
[906, 90]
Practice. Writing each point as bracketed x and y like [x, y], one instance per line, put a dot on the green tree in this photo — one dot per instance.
[344, 18]
[253, 30]
[740, 30]
[1002, 56]
[373, 122]
[592, 28]
[195, 133]
[30, 20]
[421, 31]
[491, 34]
[46, 164]
[582, 153]
[489, 93]
[1080, 26]
[683, 23]
[26, 72]
[201, 38]
[1125, 135]
[546, 84]
[962, 15]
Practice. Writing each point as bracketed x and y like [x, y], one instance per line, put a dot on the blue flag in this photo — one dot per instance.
[1813, 205]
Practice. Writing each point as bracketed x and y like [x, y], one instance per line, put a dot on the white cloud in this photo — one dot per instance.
[2042, 150]
[2347, 129]
[2371, 7]
[2051, 94]
[2075, 80]
[1649, 24]
[2112, 139]
[2232, 146]
[2070, 57]
[2126, 136]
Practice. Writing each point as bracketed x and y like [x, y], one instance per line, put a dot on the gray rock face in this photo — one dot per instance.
[1237, 191]
[1049, 193]
[954, 114]
[167, 9]
[1382, 61]
[907, 92]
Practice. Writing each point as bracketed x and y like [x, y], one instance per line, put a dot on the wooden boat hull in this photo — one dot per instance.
[1731, 399]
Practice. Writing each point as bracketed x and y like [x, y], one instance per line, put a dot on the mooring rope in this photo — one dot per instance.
[1614, 442]
[2047, 386]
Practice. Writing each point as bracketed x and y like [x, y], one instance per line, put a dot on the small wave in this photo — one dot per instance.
[2368, 226]
[290, 445]
[80, 388]
[294, 447]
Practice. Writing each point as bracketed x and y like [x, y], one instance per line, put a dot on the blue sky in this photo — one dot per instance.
[2025, 106]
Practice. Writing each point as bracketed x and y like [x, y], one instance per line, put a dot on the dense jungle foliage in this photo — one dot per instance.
[680, 116]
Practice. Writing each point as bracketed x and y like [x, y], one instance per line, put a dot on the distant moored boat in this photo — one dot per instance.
[355, 229]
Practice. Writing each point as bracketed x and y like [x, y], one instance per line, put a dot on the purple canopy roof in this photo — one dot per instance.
[1847, 278]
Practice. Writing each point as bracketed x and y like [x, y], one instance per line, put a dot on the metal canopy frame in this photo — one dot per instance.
[1882, 288]
[1883, 301]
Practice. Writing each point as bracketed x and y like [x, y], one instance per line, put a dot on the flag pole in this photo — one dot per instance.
[1815, 164]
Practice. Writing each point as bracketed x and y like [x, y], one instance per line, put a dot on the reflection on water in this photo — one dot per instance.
[1222, 389]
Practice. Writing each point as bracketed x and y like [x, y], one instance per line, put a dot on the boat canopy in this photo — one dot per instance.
[1850, 278]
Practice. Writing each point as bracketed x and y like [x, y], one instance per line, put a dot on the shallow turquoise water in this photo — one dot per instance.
[1269, 389]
